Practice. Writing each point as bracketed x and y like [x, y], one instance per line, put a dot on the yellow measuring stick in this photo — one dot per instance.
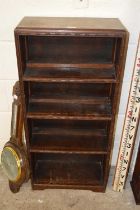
[129, 127]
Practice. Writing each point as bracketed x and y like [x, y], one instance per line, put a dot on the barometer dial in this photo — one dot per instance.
[11, 163]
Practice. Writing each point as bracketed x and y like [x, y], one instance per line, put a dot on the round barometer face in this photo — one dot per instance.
[11, 163]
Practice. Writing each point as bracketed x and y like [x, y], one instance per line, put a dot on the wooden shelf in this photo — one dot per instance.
[57, 107]
[36, 149]
[68, 140]
[62, 72]
[68, 169]
[66, 117]
[41, 64]
[68, 99]
[45, 185]
[65, 101]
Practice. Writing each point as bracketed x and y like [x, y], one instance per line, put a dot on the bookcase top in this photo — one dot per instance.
[73, 23]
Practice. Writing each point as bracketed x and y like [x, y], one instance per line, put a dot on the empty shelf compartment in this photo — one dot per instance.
[58, 90]
[70, 109]
[71, 137]
[69, 99]
[70, 169]
[63, 49]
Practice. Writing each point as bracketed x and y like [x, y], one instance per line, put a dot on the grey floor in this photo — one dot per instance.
[64, 199]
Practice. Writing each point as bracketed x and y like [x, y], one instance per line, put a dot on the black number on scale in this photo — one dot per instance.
[137, 99]
[128, 145]
[125, 161]
[132, 127]
[134, 119]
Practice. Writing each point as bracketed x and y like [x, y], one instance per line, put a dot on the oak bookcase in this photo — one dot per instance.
[70, 72]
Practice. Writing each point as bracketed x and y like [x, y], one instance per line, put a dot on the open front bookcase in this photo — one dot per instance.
[70, 72]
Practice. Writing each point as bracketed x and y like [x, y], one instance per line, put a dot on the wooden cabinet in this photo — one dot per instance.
[70, 72]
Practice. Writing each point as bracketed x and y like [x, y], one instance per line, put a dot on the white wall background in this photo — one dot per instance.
[12, 11]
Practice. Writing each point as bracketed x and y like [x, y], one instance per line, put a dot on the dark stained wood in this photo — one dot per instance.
[38, 23]
[95, 92]
[67, 169]
[66, 74]
[71, 72]
[121, 49]
[14, 187]
[66, 66]
[56, 49]
[94, 188]
[69, 140]
[57, 108]
[67, 117]
[135, 183]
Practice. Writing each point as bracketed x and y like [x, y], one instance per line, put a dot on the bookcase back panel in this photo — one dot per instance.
[64, 49]
[38, 124]
[68, 90]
